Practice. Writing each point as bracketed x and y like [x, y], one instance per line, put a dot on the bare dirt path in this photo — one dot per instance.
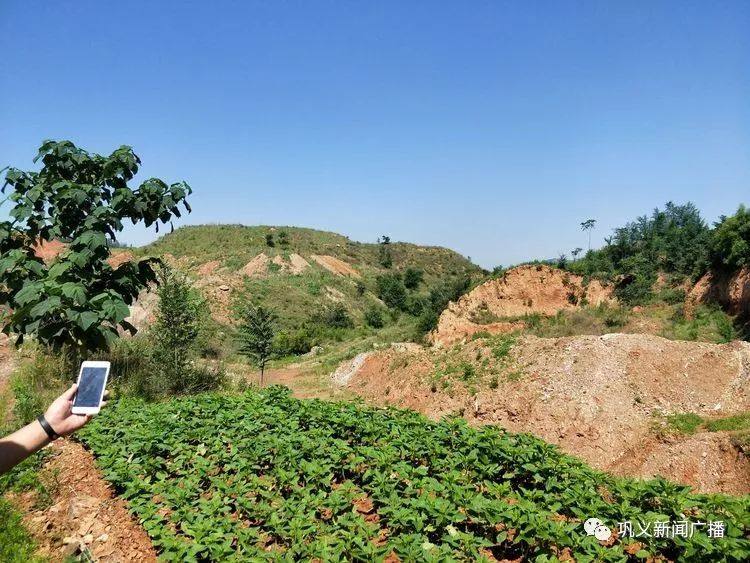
[85, 515]
[302, 380]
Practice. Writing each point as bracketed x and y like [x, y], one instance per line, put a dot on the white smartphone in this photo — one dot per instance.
[92, 380]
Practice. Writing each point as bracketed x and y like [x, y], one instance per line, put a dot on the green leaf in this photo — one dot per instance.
[44, 307]
[58, 269]
[86, 319]
[28, 293]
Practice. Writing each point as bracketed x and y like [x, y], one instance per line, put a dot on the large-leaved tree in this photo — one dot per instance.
[78, 299]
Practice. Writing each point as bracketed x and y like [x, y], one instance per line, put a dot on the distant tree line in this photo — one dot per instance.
[675, 241]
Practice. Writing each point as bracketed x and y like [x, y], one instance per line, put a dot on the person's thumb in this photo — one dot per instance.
[68, 395]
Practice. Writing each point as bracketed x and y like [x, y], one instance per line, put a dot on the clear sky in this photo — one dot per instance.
[493, 128]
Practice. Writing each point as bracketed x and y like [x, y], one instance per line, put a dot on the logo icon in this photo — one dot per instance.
[595, 527]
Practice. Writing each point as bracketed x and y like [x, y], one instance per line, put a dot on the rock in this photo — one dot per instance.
[102, 538]
[349, 369]
[88, 538]
[69, 540]
[71, 550]
[314, 351]
[223, 288]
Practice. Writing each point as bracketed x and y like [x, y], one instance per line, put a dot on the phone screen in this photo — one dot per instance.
[90, 387]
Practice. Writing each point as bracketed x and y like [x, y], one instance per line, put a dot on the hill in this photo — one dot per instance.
[321, 285]
[233, 246]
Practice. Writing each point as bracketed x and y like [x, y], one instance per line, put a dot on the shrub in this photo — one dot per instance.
[613, 317]
[413, 277]
[335, 315]
[438, 300]
[269, 240]
[635, 288]
[295, 342]
[283, 238]
[39, 380]
[361, 289]
[165, 363]
[415, 305]
[672, 295]
[709, 323]
[391, 291]
[374, 317]
[729, 246]
[384, 252]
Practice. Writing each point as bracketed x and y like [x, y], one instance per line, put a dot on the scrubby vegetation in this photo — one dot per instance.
[675, 242]
[16, 545]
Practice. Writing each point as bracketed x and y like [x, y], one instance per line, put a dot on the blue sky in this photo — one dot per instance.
[493, 128]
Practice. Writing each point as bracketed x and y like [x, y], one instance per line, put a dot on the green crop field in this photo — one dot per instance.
[264, 476]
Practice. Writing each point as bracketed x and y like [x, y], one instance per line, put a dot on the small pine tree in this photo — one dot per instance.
[283, 238]
[178, 323]
[269, 240]
[257, 332]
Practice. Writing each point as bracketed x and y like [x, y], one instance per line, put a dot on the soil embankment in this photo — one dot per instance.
[603, 398]
[499, 305]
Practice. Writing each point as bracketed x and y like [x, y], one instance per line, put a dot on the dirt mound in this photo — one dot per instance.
[85, 513]
[297, 264]
[525, 290]
[143, 309]
[119, 258]
[707, 460]
[334, 265]
[731, 291]
[208, 268]
[595, 396]
[257, 267]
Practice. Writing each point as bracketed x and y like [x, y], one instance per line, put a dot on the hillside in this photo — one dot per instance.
[303, 273]
[234, 246]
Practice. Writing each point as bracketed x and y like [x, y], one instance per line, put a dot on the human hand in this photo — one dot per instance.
[60, 415]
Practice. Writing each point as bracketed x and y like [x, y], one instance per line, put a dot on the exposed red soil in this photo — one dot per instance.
[257, 267]
[297, 264]
[120, 257]
[48, 250]
[85, 514]
[208, 268]
[731, 291]
[595, 396]
[335, 266]
[525, 290]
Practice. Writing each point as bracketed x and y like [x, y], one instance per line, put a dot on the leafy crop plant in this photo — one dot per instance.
[263, 476]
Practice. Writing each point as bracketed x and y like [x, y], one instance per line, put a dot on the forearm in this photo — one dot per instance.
[21, 444]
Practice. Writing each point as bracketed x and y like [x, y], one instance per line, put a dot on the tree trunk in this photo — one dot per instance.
[262, 370]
